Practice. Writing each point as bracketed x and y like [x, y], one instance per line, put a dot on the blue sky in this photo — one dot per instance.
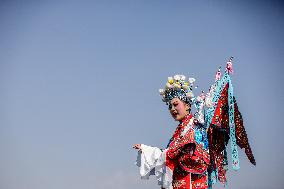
[79, 85]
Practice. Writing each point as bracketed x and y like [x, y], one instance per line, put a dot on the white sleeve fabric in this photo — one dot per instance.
[151, 161]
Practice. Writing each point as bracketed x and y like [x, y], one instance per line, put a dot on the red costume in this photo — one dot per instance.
[186, 163]
[187, 158]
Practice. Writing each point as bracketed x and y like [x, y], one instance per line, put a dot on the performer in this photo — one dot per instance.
[196, 154]
[184, 162]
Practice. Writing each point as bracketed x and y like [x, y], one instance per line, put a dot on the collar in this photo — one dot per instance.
[186, 119]
[184, 122]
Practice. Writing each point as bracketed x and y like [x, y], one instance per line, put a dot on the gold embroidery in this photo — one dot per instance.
[178, 183]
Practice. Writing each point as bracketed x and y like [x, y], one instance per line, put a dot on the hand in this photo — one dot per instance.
[137, 146]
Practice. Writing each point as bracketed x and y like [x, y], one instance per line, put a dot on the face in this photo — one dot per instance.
[178, 109]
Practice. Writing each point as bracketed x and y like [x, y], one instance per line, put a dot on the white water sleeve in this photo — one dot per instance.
[151, 161]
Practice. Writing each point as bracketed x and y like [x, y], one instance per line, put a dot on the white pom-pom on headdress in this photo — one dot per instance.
[191, 80]
[176, 77]
[161, 91]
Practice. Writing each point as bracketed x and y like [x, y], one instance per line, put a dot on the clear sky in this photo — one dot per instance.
[79, 85]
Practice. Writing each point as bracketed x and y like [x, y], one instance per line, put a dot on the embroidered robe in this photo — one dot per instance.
[183, 164]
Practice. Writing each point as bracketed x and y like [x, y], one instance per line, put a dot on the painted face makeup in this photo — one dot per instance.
[178, 109]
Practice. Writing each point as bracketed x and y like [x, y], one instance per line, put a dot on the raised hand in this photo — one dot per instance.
[137, 146]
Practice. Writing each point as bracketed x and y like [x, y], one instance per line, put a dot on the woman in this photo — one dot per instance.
[185, 161]
[183, 164]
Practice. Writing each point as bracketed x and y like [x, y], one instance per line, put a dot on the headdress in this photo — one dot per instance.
[178, 87]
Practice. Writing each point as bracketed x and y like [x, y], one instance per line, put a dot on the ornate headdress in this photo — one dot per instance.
[178, 87]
